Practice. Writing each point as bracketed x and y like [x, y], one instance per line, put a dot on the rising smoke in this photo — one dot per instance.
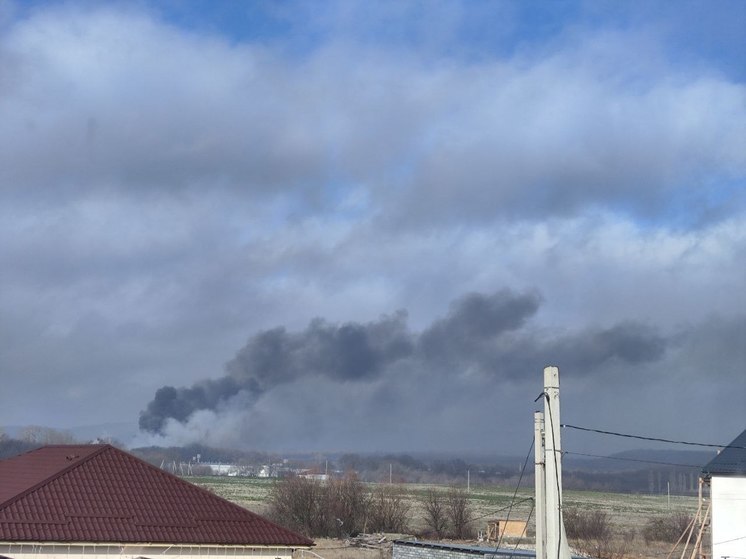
[346, 353]
[484, 335]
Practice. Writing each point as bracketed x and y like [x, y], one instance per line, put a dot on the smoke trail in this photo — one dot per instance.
[484, 335]
[348, 352]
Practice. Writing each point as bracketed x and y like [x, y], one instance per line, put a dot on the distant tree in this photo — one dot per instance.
[332, 509]
[389, 510]
[12, 447]
[458, 510]
[46, 435]
[350, 462]
[296, 503]
[346, 506]
[436, 517]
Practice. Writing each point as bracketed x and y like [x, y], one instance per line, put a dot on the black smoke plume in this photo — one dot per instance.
[348, 352]
[486, 335]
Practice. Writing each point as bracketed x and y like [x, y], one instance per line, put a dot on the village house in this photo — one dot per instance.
[96, 501]
[726, 476]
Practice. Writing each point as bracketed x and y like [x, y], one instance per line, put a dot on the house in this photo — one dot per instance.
[726, 475]
[96, 501]
[219, 469]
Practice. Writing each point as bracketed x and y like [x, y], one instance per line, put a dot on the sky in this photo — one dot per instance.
[349, 225]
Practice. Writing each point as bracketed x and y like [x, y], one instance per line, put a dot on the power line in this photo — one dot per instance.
[512, 504]
[631, 460]
[523, 532]
[525, 463]
[627, 435]
[728, 541]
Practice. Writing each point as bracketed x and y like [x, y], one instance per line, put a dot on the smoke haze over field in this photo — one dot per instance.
[369, 225]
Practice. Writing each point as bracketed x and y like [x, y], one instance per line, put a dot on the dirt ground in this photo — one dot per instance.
[341, 549]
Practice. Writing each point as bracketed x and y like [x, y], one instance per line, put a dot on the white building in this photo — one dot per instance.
[218, 469]
[98, 502]
[726, 474]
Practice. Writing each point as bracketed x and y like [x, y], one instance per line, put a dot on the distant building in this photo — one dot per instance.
[217, 469]
[499, 528]
[96, 502]
[314, 476]
[726, 475]
[274, 470]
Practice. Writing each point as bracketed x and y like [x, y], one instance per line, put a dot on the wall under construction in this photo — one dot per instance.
[408, 549]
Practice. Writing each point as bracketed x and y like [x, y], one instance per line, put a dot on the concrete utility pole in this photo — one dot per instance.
[539, 484]
[556, 542]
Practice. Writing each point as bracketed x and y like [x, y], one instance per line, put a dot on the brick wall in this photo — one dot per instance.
[403, 551]
[408, 552]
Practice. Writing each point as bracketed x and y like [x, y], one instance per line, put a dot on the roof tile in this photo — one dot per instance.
[731, 461]
[98, 493]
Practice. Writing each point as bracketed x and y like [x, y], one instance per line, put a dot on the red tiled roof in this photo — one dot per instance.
[98, 493]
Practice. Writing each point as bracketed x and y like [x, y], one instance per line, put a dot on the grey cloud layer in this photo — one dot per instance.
[426, 142]
[165, 193]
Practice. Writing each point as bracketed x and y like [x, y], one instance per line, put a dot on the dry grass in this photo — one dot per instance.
[627, 514]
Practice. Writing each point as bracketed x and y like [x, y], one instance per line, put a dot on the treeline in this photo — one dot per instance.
[655, 480]
[346, 507]
[401, 468]
[31, 437]
[404, 468]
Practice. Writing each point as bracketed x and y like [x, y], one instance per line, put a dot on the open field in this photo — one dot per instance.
[627, 513]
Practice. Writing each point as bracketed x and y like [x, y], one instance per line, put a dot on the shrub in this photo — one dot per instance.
[388, 511]
[435, 512]
[458, 511]
[666, 528]
[333, 509]
[586, 525]
[296, 503]
[592, 534]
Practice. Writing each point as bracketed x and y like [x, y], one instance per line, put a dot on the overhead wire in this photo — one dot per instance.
[728, 541]
[644, 438]
[518, 502]
[632, 460]
[523, 532]
[518, 485]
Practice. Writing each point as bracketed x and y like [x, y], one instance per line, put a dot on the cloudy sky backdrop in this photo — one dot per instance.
[368, 226]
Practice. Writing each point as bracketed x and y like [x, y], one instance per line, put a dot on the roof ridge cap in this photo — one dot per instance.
[56, 475]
